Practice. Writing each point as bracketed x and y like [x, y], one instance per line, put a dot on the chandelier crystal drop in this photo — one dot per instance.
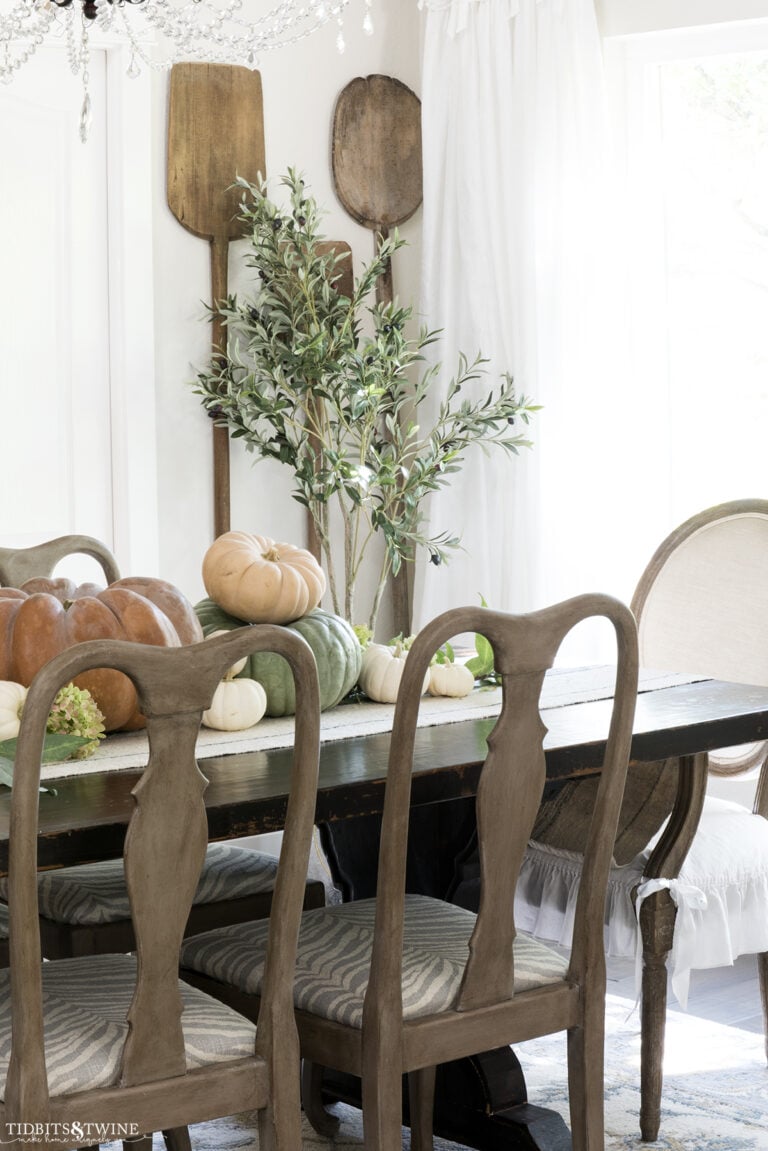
[161, 32]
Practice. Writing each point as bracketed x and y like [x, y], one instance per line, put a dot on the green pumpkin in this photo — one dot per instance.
[336, 649]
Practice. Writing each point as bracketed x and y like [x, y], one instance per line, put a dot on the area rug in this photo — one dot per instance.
[715, 1091]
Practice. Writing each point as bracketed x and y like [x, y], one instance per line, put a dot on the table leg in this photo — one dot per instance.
[481, 1102]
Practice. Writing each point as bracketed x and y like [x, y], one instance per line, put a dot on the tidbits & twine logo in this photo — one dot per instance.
[68, 1133]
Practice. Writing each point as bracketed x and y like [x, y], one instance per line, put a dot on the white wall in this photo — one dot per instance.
[300, 85]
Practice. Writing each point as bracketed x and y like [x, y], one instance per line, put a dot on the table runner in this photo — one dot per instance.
[126, 751]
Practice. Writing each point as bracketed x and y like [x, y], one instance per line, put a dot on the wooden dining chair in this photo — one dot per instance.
[20, 564]
[696, 866]
[4, 955]
[84, 910]
[118, 1039]
[400, 983]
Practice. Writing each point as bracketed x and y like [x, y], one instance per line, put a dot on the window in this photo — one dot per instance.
[691, 346]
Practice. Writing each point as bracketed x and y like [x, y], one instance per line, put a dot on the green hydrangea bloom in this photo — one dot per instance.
[75, 712]
[363, 633]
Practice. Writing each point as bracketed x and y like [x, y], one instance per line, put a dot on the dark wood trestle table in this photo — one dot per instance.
[483, 1105]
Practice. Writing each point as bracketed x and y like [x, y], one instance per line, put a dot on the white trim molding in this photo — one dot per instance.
[131, 313]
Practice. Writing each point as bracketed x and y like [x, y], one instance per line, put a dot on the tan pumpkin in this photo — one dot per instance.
[261, 581]
[46, 616]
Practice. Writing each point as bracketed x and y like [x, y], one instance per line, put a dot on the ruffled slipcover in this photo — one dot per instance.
[721, 892]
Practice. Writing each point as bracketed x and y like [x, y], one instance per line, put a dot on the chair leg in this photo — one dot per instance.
[322, 1121]
[177, 1139]
[279, 1123]
[586, 1077]
[140, 1143]
[421, 1101]
[382, 1092]
[653, 1015]
[762, 971]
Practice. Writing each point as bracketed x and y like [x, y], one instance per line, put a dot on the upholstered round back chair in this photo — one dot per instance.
[691, 871]
[702, 606]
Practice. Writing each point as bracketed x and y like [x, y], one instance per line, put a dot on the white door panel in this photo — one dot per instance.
[54, 321]
[56, 432]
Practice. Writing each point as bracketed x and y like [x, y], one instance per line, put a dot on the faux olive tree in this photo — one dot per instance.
[333, 387]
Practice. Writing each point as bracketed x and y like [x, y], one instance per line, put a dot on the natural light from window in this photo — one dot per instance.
[714, 130]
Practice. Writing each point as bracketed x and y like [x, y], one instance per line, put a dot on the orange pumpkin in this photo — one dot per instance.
[46, 616]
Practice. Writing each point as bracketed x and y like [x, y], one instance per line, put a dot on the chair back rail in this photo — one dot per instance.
[164, 848]
[20, 564]
[508, 796]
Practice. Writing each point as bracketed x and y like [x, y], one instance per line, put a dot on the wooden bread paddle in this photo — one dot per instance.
[377, 174]
[215, 134]
[376, 156]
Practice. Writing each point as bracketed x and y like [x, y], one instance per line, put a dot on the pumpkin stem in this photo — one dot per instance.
[67, 604]
[271, 554]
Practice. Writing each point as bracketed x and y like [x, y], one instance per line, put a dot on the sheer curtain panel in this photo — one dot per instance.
[514, 211]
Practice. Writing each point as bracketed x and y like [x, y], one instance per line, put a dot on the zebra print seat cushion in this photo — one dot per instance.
[94, 893]
[335, 951]
[86, 1000]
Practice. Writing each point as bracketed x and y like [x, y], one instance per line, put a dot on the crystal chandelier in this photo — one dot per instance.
[212, 31]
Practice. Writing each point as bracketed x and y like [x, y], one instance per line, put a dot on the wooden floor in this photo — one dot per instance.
[729, 995]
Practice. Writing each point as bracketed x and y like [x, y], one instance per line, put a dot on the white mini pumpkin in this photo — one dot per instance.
[451, 679]
[12, 696]
[382, 670]
[236, 667]
[236, 705]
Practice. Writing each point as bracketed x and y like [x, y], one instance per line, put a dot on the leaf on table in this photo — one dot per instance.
[6, 773]
[56, 747]
[481, 664]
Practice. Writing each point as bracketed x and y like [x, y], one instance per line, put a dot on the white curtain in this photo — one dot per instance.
[514, 218]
